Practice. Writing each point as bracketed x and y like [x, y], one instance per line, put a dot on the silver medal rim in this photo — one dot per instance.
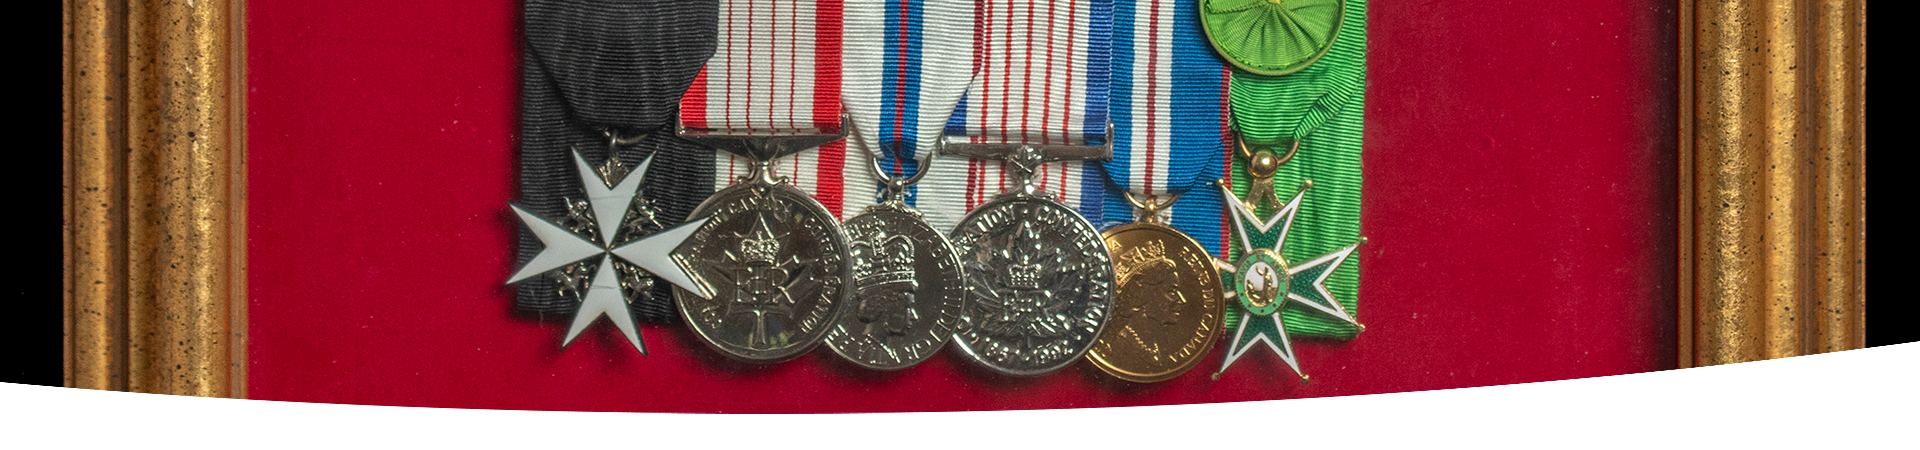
[839, 237]
[953, 257]
[1106, 313]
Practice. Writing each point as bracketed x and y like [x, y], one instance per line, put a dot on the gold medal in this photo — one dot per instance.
[1168, 302]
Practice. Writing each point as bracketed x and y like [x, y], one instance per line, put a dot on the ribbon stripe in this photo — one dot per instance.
[1168, 108]
[905, 60]
[777, 66]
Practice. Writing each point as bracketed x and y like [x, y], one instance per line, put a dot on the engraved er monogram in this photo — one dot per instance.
[763, 279]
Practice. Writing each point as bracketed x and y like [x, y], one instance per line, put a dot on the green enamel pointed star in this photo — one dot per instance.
[1264, 283]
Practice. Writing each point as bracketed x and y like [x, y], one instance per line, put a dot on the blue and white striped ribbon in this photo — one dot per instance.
[1169, 102]
[907, 63]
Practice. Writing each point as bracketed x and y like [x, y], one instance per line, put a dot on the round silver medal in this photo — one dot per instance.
[774, 260]
[908, 290]
[1040, 281]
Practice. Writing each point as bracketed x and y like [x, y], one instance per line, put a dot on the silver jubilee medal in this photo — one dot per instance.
[908, 283]
[900, 84]
[1040, 276]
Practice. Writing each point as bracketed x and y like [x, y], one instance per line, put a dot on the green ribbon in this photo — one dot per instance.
[1321, 105]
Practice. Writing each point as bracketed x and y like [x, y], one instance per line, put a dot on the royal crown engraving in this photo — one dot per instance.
[883, 259]
[883, 269]
[759, 250]
[1141, 257]
[1023, 275]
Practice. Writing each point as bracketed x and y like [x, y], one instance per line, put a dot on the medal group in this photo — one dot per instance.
[975, 151]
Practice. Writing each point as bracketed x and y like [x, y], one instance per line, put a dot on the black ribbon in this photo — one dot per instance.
[592, 67]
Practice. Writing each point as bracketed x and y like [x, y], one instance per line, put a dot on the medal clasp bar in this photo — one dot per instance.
[761, 144]
[1027, 157]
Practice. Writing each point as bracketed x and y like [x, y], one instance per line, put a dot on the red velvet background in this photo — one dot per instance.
[1519, 200]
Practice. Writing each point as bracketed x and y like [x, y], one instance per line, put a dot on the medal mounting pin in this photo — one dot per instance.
[612, 170]
[1026, 159]
[762, 146]
[1148, 209]
[894, 193]
[1263, 161]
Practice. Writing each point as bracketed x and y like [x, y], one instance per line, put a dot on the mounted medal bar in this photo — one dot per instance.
[597, 229]
[772, 261]
[909, 281]
[1168, 107]
[1040, 274]
[1024, 283]
[1168, 303]
[1286, 91]
[906, 65]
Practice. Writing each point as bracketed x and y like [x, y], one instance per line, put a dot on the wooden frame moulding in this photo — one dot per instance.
[155, 185]
[1773, 179]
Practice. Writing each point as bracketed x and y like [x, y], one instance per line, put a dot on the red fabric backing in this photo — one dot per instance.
[1519, 204]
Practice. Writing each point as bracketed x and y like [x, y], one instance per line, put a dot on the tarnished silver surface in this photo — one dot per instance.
[908, 290]
[774, 261]
[1041, 285]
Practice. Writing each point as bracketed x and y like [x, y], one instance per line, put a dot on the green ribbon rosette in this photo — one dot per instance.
[1271, 37]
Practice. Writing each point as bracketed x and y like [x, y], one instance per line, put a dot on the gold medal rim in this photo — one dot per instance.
[1219, 312]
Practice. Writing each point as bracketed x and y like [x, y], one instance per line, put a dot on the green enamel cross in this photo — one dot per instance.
[1264, 283]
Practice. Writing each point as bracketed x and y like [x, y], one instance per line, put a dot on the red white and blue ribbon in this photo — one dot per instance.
[777, 66]
[1042, 78]
[907, 64]
[1169, 108]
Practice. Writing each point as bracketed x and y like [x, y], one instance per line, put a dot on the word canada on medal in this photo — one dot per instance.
[1168, 305]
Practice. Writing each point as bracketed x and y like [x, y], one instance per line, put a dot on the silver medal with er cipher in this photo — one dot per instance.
[771, 261]
[1040, 277]
[907, 279]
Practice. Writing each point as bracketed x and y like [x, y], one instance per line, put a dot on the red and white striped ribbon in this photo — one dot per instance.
[1040, 76]
[777, 67]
